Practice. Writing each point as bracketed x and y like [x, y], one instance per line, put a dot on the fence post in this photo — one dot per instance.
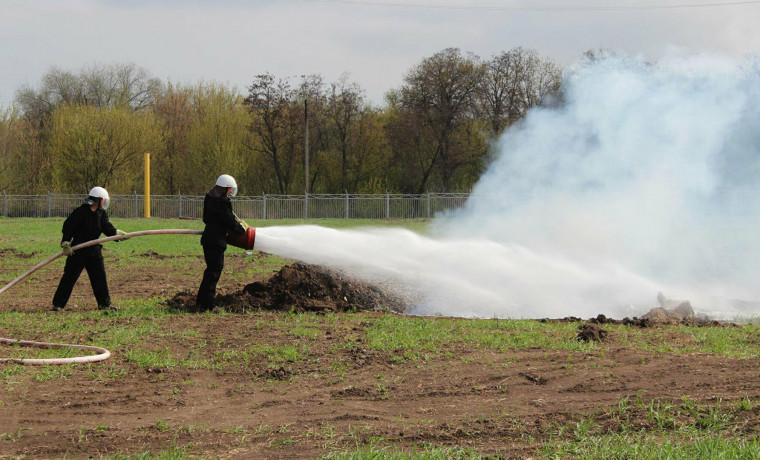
[179, 206]
[428, 205]
[5, 204]
[50, 211]
[306, 205]
[135, 204]
[346, 205]
[264, 211]
[387, 205]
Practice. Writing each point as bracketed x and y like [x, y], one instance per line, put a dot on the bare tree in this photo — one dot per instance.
[119, 85]
[345, 109]
[116, 85]
[515, 81]
[57, 87]
[437, 100]
[312, 101]
[274, 116]
[544, 79]
[598, 54]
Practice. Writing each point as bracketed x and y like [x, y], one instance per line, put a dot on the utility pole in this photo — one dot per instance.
[306, 144]
[146, 181]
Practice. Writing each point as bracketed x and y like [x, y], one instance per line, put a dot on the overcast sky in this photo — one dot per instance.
[376, 42]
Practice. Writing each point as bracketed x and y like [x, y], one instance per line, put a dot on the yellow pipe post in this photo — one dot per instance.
[147, 185]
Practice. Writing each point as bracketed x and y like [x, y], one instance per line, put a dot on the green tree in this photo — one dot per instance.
[93, 146]
[217, 138]
[125, 87]
[8, 145]
[25, 164]
[174, 108]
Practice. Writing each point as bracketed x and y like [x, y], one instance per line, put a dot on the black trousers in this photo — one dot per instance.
[214, 256]
[96, 271]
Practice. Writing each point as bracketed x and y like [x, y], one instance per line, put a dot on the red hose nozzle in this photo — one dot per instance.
[244, 241]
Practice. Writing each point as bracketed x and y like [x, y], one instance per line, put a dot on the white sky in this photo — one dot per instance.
[230, 41]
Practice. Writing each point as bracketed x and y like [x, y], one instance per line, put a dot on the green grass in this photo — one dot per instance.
[43, 235]
[39, 239]
[144, 334]
[393, 453]
[658, 429]
[413, 336]
[627, 446]
[139, 322]
[173, 453]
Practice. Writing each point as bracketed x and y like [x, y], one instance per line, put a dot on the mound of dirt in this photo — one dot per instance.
[590, 332]
[301, 287]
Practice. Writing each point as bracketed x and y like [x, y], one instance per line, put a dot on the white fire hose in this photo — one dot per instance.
[102, 353]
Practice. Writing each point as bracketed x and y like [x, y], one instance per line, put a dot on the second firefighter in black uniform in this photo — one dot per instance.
[219, 220]
[86, 223]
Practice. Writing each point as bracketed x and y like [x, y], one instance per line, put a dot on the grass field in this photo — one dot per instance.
[361, 385]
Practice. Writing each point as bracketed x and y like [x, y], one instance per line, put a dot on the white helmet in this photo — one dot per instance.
[225, 180]
[100, 192]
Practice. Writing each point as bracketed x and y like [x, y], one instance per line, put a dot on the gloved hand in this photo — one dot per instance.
[121, 232]
[67, 251]
[240, 221]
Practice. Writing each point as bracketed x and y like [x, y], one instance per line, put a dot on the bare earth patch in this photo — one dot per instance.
[338, 392]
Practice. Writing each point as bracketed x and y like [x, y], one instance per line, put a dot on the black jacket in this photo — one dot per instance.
[84, 224]
[219, 219]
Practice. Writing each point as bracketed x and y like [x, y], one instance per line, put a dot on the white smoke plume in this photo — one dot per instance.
[643, 179]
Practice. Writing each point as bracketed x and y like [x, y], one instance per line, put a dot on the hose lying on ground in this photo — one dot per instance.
[102, 352]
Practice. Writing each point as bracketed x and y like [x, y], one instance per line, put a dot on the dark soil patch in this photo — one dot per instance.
[151, 254]
[299, 288]
[18, 254]
[590, 332]
[275, 373]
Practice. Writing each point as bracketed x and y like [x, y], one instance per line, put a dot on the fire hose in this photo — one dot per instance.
[102, 353]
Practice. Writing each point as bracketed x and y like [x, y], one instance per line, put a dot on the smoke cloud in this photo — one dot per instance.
[642, 179]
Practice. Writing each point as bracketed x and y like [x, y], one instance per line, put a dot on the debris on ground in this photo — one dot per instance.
[675, 312]
[590, 332]
[302, 287]
[670, 312]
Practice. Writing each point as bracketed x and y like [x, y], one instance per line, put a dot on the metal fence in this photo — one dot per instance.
[346, 206]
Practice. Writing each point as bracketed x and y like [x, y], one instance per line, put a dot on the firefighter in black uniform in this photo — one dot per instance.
[84, 224]
[219, 220]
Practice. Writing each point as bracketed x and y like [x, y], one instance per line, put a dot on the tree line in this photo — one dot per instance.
[435, 133]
